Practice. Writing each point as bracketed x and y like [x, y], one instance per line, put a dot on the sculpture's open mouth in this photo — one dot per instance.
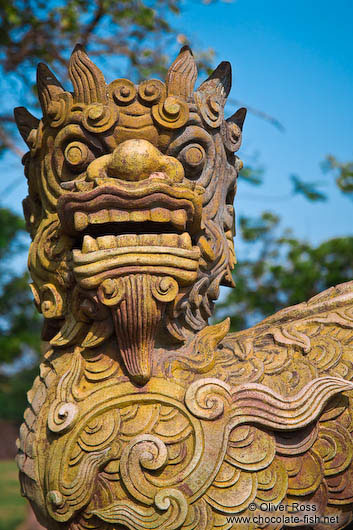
[145, 228]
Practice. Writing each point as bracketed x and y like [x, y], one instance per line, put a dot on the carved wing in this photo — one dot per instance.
[265, 462]
[297, 344]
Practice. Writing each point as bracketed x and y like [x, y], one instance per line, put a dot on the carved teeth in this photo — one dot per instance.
[127, 240]
[99, 217]
[105, 242]
[132, 240]
[169, 240]
[179, 219]
[119, 216]
[185, 241]
[140, 216]
[89, 244]
[80, 220]
[157, 215]
[146, 240]
[160, 215]
[104, 216]
[68, 185]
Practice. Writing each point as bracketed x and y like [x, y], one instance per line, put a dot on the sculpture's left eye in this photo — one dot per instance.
[193, 158]
[78, 156]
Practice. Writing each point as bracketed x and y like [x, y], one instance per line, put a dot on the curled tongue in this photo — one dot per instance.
[137, 302]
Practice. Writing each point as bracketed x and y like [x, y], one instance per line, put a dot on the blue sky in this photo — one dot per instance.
[294, 61]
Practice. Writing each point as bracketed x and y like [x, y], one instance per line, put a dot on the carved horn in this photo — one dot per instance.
[182, 74]
[238, 117]
[48, 87]
[88, 81]
[219, 83]
[26, 122]
[212, 95]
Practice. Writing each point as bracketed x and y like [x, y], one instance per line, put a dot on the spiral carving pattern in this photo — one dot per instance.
[208, 398]
[151, 91]
[171, 113]
[99, 118]
[143, 416]
[122, 91]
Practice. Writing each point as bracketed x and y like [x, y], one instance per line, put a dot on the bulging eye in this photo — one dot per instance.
[193, 158]
[78, 156]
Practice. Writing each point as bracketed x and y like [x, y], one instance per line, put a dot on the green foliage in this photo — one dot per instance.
[307, 189]
[135, 30]
[281, 270]
[11, 227]
[13, 393]
[253, 229]
[343, 172]
[138, 34]
[252, 175]
[19, 322]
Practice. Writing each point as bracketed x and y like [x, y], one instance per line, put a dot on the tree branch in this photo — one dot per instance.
[90, 27]
[258, 113]
[7, 118]
[5, 138]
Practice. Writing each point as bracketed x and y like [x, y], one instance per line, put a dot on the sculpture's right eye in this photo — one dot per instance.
[193, 158]
[78, 156]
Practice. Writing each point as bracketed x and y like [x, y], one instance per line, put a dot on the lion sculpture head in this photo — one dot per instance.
[130, 206]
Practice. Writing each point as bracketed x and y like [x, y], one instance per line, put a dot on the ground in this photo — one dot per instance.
[12, 505]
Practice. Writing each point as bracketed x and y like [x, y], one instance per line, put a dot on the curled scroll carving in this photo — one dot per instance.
[147, 452]
[144, 416]
[208, 398]
[125, 512]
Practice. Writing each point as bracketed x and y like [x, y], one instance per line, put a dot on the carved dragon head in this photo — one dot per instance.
[130, 205]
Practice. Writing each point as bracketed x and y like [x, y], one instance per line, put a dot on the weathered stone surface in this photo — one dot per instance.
[144, 416]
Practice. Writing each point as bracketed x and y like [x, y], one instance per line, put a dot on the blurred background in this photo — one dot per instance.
[292, 68]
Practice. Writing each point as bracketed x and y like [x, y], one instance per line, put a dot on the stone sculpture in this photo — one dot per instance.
[143, 415]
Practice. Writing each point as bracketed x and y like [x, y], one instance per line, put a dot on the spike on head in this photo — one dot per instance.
[219, 82]
[88, 81]
[86, 130]
[212, 95]
[182, 75]
[238, 117]
[26, 123]
[49, 88]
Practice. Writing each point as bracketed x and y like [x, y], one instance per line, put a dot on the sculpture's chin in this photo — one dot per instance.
[136, 276]
[137, 302]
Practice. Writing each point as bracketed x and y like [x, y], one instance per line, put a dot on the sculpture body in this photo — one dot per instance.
[144, 416]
